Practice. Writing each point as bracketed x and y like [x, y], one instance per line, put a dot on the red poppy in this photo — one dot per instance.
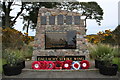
[36, 65]
[85, 64]
[67, 64]
[51, 65]
[58, 64]
[43, 65]
[46, 64]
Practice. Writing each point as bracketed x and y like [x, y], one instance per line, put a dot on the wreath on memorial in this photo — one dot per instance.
[51, 65]
[46, 64]
[58, 64]
[43, 65]
[36, 65]
[67, 64]
[76, 65]
[85, 64]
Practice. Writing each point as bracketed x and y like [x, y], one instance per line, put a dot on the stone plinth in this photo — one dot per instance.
[43, 24]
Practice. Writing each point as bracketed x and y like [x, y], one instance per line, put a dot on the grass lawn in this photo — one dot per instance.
[2, 62]
[0, 65]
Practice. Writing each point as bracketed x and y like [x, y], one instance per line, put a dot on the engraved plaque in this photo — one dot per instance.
[43, 20]
[60, 19]
[60, 40]
[77, 20]
[52, 20]
[68, 20]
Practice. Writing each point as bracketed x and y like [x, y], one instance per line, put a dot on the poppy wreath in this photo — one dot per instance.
[36, 65]
[85, 64]
[67, 64]
[43, 65]
[51, 65]
[58, 64]
[46, 64]
[76, 65]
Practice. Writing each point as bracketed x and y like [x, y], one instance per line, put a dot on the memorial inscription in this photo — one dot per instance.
[68, 20]
[43, 20]
[52, 20]
[77, 20]
[60, 58]
[60, 19]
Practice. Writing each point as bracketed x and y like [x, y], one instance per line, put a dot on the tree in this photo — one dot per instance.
[29, 20]
[7, 20]
[31, 8]
[116, 35]
[90, 10]
[0, 15]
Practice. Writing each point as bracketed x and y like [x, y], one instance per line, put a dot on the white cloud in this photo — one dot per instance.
[110, 8]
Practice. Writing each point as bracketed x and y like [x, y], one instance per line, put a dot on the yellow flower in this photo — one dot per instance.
[106, 35]
[108, 31]
[26, 33]
[96, 41]
[100, 32]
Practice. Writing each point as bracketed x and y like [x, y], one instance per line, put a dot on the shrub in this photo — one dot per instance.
[2, 62]
[116, 59]
[105, 37]
[12, 39]
[117, 52]
[28, 50]
[27, 39]
[0, 66]
[12, 57]
[100, 50]
[106, 53]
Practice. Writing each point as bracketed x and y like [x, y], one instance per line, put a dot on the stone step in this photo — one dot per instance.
[25, 69]
[38, 74]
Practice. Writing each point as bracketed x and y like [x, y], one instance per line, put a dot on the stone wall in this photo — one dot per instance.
[39, 46]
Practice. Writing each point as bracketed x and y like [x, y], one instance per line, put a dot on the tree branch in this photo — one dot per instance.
[13, 22]
[4, 7]
[9, 4]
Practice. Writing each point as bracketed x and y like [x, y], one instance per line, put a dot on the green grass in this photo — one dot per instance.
[116, 60]
[2, 62]
[0, 65]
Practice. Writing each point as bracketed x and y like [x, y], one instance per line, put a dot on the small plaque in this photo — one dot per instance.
[77, 20]
[52, 20]
[68, 20]
[60, 19]
[43, 20]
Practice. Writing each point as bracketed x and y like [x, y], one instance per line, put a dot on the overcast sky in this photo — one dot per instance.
[110, 17]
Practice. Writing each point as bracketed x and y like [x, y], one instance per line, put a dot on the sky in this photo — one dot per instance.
[110, 17]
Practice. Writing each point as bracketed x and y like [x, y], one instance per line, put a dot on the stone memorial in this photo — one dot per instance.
[59, 33]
